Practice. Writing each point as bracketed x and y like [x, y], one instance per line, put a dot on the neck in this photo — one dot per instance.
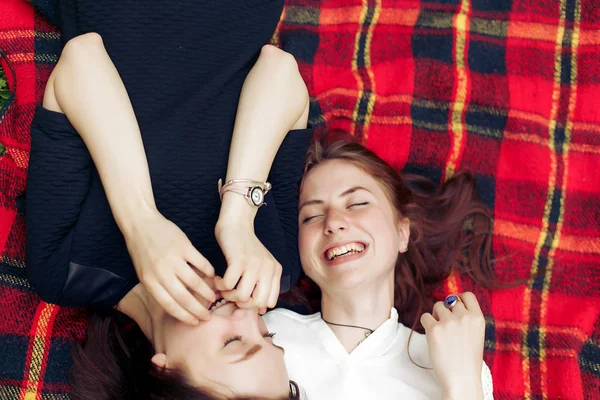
[367, 307]
[141, 307]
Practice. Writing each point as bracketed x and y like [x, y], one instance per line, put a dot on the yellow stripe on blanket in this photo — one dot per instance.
[42, 325]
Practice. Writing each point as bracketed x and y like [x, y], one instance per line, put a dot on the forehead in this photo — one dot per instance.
[334, 176]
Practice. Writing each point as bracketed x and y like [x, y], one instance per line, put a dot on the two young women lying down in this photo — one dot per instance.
[371, 244]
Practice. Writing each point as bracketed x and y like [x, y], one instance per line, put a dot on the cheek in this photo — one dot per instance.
[385, 232]
[307, 237]
[392, 242]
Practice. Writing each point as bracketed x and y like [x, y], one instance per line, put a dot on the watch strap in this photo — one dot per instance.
[244, 187]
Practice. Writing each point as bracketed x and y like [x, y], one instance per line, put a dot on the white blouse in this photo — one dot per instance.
[379, 368]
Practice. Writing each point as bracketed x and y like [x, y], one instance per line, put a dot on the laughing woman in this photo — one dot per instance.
[374, 247]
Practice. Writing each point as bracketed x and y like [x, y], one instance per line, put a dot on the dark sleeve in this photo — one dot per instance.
[285, 177]
[66, 17]
[58, 181]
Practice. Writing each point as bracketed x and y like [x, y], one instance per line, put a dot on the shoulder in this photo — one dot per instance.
[281, 316]
[290, 324]
[294, 331]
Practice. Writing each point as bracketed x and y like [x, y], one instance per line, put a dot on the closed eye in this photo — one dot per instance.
[239, 338]
[358, 204]
[308, 219]
[232, 339]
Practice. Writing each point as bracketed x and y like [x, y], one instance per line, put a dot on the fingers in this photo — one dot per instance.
[250, 292]
[196, 283]
[440, 312]
[245, 287]
[262, 291]
[458, 308]
[241, 295]
[230, 279]
[197, 260]
[428, 321]
[470, 302]
[185, 299]
[166, 301]
[274, 294]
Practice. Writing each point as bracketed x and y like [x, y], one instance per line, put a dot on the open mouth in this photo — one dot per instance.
[344, 251]
[217, 304]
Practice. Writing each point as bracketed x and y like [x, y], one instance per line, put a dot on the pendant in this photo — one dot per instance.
[367, 334]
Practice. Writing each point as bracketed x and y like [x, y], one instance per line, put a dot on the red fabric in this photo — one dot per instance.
[506, 89]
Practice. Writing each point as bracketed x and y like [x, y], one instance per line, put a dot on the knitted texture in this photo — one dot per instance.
[506, 89]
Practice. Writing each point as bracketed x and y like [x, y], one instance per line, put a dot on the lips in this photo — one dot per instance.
[339, 250]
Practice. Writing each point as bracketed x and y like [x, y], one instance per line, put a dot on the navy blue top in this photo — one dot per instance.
[183, 64]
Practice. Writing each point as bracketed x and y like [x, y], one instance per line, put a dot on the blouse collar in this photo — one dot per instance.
[376, 344]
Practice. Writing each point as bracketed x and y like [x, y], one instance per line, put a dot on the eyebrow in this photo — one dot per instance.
[249, 354]
[253, 350]
[345, 193]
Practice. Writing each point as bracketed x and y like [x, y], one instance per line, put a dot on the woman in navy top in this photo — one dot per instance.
[183, 64]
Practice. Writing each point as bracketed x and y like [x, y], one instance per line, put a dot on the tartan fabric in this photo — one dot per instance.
[506, 89]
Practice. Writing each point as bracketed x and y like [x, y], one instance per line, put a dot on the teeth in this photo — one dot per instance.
[218, 304]
[351, 248]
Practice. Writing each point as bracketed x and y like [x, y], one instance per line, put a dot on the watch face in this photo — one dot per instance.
[257, 196]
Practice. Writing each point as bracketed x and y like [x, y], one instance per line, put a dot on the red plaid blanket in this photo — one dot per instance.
[506, 89]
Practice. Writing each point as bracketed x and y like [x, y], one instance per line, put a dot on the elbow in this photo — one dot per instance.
[283, 71]
[77, 49]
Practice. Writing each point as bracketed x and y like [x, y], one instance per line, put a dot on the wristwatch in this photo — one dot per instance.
[253, 191]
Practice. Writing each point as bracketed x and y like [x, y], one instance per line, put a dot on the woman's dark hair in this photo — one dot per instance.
[115, 364]
[450, 228]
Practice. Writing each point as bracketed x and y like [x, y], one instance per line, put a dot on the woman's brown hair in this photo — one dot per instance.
[115, 364]
[450, 227]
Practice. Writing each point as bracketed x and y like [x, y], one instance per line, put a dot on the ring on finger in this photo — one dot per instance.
[450, 301]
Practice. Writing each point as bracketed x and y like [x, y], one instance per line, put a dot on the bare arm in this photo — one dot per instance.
[87, 88]
[273, 101]
[87, 105]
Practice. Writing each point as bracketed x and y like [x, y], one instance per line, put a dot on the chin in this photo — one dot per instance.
[347, 280]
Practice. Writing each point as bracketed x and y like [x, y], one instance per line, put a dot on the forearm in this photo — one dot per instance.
[273, 101]
[89, 90]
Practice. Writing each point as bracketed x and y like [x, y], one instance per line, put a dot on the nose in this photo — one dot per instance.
[336, 221]
[246, 321]
[239, 314]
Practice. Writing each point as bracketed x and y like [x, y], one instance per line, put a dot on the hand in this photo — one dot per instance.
[455, 338]
[253, 274]
[170, 267]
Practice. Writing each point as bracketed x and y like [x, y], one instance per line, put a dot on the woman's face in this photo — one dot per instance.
[232, 353]
[349, 233]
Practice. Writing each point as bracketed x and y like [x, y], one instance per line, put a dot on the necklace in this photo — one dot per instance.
[367, 333]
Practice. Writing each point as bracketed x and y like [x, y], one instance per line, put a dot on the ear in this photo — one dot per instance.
[160, 360]
[403, 234]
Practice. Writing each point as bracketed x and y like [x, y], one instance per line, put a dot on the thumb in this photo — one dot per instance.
[220, 285]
